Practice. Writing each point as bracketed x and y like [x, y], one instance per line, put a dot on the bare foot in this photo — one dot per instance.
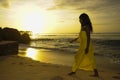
[94, 75]
[71, 73]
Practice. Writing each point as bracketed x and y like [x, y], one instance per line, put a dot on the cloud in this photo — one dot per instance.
[5, 3]
[90, 5]
[65, 4]
[104, 11]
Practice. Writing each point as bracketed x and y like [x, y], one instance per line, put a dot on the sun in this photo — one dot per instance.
[32, 19]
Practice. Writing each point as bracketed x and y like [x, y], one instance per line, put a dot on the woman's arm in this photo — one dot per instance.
[73, 40]
[87, 29]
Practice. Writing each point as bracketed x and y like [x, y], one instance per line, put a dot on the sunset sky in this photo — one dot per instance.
[59, 16]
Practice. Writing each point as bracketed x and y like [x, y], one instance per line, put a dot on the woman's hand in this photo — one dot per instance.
[71, 41]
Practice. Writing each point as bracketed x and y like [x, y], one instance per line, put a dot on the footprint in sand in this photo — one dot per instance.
[13, 63]
[30, 65]
[116, 77]
[44, 65]
[21, 63]
[57, 78]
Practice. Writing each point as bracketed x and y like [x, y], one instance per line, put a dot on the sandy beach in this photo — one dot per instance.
[14, 67]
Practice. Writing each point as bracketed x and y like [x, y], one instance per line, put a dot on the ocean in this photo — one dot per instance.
[105, 44]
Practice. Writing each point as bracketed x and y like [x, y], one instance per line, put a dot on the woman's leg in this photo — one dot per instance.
[95, 73]
[74, 69]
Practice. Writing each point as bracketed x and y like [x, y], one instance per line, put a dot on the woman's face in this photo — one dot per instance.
[80, 20]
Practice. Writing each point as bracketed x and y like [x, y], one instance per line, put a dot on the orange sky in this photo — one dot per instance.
[59, 16]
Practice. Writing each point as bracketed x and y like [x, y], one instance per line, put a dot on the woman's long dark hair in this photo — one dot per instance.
[86, 21]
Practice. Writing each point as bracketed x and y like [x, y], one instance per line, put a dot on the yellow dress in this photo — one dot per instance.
[84, 61]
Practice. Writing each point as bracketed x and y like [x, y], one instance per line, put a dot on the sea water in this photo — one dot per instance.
[105, 44]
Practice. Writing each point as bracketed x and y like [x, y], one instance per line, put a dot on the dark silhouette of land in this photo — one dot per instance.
[10, 39]
[11, 34]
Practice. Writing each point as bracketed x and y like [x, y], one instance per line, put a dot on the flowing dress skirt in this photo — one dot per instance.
[84, 61]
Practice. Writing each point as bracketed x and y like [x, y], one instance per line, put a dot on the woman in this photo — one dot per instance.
[84, 58]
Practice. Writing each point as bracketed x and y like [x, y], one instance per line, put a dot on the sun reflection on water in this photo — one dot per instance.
[47, 56]
[35, 54]
[32, 53]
